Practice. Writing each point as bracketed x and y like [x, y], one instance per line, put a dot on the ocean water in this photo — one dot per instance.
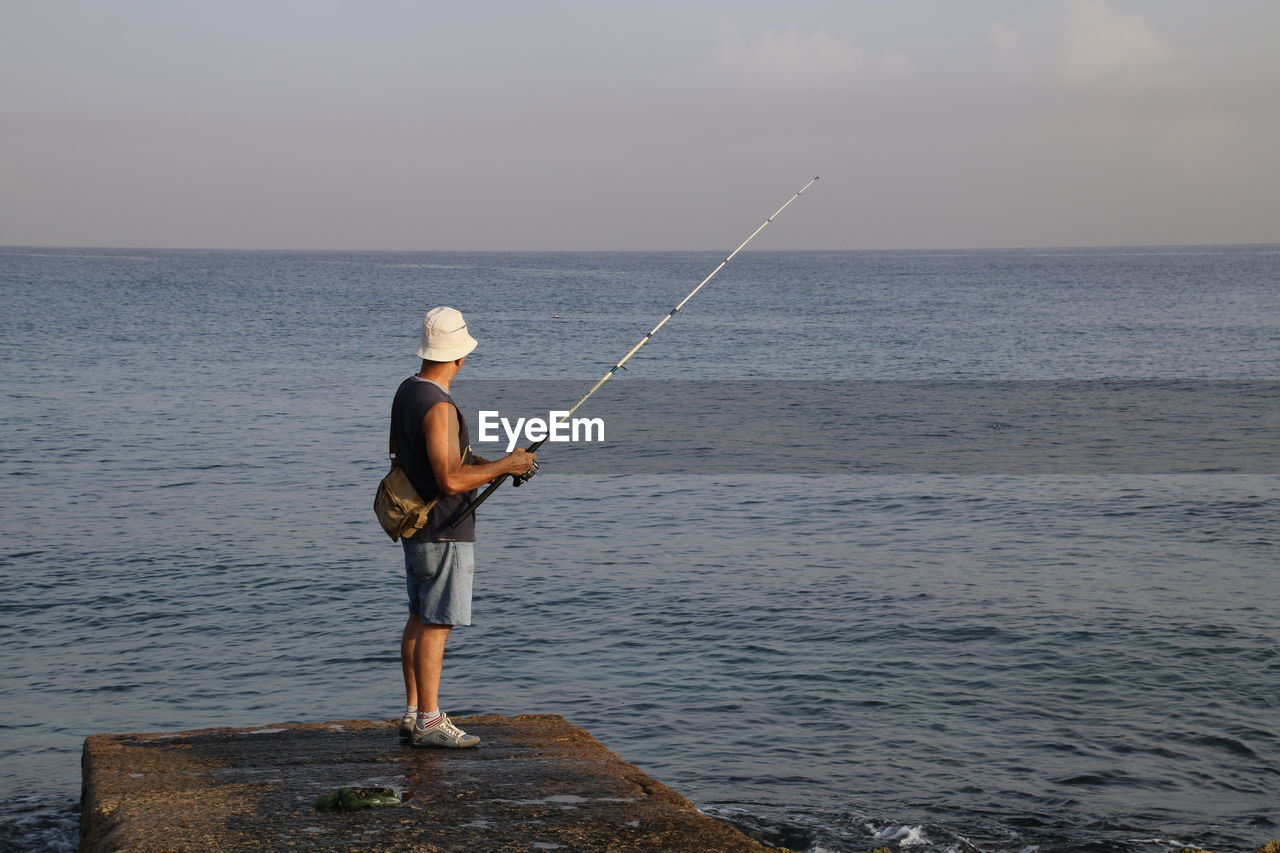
[943, 660]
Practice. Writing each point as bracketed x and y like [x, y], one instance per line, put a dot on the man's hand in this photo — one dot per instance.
[519, 461]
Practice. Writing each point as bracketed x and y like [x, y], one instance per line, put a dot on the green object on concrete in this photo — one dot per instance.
[350, 799]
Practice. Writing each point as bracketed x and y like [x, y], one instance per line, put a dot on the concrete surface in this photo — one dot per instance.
[536, 783]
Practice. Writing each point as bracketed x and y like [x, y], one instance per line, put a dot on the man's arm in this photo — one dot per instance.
[440, 426]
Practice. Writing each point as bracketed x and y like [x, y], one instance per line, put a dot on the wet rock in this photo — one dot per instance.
[535, 783]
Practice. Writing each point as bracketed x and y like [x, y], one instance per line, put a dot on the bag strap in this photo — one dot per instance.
[391, 438]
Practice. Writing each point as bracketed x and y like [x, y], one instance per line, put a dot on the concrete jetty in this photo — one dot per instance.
[536, 783]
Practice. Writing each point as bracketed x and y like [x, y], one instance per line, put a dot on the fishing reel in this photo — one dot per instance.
[518, 479]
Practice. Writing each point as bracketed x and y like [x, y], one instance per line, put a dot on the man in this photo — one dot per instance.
[433, 446]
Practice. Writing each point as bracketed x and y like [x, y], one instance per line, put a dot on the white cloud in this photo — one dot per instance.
[1103, 44]
[791, 58]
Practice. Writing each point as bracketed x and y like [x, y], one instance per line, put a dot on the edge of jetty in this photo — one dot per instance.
[536, 782]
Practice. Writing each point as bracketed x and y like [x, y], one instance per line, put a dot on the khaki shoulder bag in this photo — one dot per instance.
[400, 509]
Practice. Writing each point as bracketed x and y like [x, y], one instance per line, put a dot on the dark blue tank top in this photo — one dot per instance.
[413, 400]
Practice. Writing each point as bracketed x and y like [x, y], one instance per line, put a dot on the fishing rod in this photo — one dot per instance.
[465, 512]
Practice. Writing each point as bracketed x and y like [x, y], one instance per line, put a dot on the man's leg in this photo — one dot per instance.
[434, 728]
[409, 642]
[428, 660]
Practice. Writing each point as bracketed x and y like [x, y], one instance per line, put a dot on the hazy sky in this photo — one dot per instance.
[386, 124]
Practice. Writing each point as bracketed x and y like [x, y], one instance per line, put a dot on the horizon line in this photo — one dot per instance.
[472, 251]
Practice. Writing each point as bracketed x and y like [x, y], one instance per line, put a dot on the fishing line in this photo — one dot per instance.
[466, 511]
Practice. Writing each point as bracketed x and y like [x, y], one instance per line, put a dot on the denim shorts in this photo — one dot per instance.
[438, 578]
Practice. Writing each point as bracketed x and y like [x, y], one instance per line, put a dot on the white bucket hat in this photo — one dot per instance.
[444, 335]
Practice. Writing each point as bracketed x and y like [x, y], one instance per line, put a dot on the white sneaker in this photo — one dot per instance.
[442, 732]
[406, 725]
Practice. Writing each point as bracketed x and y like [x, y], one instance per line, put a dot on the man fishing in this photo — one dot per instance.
[438, 559]
[435, 452]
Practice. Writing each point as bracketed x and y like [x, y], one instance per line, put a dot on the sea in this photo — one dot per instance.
[893, 642]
